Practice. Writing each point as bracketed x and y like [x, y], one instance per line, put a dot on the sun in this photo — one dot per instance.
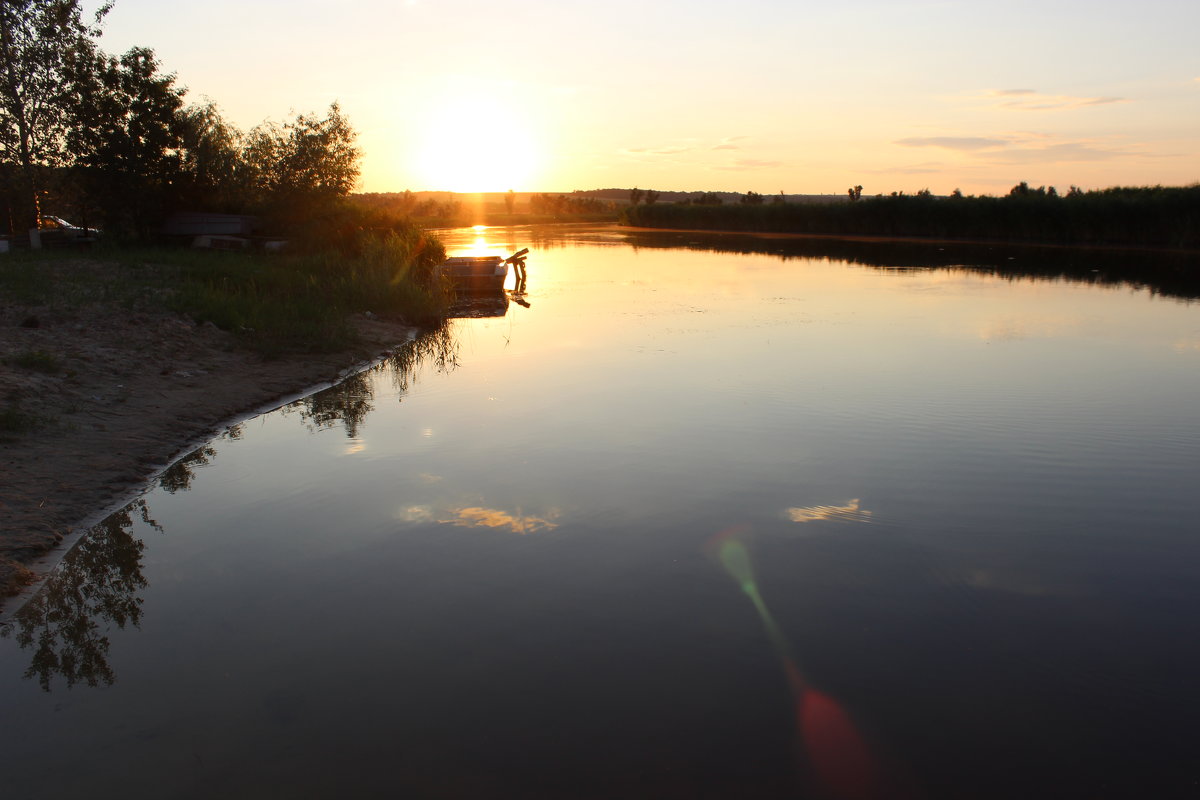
[475, 145]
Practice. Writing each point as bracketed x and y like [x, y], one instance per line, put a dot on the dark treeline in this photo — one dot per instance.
[108, 141]
[577, 204]
[446, 209]
[433, 208]
[1164, 274]
[1153, 216]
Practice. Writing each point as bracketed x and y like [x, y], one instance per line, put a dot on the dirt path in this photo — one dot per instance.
[98, 400]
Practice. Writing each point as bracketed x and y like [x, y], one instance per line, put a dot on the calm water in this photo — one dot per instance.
[688, 521]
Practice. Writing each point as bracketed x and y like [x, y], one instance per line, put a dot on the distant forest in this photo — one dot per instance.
[1157, 216]
[1164, 217]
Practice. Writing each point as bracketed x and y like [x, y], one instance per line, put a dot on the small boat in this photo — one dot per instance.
[480, 273]
[475, 273]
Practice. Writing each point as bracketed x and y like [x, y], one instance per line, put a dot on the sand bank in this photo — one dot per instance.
[118, 398]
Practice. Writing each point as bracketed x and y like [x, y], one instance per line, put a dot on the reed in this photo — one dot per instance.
[301, 302]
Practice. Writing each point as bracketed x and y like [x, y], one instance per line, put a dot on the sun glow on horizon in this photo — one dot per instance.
[476, 145]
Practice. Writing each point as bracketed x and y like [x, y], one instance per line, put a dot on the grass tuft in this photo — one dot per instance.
[36, 361]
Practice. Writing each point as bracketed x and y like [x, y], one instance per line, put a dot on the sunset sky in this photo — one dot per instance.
[759, 95]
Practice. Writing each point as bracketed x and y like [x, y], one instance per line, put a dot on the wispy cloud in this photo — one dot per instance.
[1020, 148]
[968, 143]
[657, 151]
[750, 163]
[685, 146]
[730, 143]
[1054, 153]
[922, 168]
[915, 169]
[1033, 100]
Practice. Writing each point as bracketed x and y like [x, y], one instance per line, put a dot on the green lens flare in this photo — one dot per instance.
[736, 561]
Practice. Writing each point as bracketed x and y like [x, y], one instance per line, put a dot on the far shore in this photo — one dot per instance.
[132, 393]
[1108, 248]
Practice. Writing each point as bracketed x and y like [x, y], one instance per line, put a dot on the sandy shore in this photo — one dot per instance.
[127, 394]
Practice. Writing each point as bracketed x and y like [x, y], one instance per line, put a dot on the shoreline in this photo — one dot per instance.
[930, 240]
[131, 392]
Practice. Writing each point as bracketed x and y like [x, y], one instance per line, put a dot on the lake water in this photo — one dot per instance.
[699, 516]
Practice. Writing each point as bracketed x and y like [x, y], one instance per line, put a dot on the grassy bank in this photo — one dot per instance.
[1138, 217]
[274, 302]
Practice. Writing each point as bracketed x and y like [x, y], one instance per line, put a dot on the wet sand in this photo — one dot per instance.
[128, 393]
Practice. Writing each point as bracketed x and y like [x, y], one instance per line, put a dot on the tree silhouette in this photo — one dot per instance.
[41, 42]
[126, 138]
[297, 169]
[210, 159]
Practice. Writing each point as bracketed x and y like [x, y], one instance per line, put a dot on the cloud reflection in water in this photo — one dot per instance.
[478, 517]
[851, 512]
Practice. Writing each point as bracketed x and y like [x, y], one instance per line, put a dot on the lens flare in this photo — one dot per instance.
[836, 754]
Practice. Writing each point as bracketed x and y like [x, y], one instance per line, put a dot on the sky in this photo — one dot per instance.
[699, 95]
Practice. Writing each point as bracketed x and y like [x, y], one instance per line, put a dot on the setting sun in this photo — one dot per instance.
[475, 145]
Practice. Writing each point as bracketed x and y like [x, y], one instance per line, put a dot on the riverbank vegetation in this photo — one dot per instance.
[1162, 217]
[275, 303]
[108, 142]
[450, 209]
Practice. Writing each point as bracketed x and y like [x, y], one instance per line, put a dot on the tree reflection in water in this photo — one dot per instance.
[95, 587]
[179, 476]
[350, 401]
[97, 584]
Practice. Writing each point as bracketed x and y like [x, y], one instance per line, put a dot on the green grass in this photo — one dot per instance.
[36, 361]
[23, 281]
[301, 302]
[52, 278]
[273, 302]
[14, 419]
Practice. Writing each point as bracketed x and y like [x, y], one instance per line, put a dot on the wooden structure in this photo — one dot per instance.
[479, 274]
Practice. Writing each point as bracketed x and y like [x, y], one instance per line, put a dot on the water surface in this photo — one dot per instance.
[696, 516]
